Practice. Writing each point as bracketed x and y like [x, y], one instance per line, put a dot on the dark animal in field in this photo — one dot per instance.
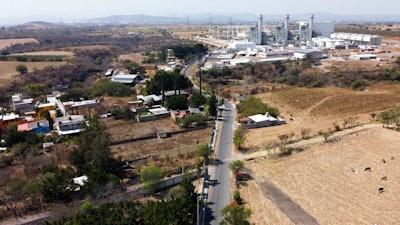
[352, 169]
[381, 190]
[383, 160]
[384, 178]
[367, 169]
[392, 157]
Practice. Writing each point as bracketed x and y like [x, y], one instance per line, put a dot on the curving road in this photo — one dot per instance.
[220, 176]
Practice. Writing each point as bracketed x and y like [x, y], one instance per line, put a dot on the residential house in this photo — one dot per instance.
[259, 120]
[71, 124]
[7, 119]
[150, 99]
[23, 105]
[37, 126]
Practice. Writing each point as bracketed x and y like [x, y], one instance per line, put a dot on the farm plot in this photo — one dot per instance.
[8, 42]
[7, 68]
[47, 53]
[330, 183]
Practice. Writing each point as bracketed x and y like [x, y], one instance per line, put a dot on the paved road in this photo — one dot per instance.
[219, 189]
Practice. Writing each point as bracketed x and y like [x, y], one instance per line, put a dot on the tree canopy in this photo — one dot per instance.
[253, 106]
[167, 81]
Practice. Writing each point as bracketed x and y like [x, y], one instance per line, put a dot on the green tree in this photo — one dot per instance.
[197, 100]
[212, 105]
[13, 136]
[36, 89]
[254, 106]
[58, 186]
[150, 176]
[238, 137]
[235, 215]
[93, 157]
[109, 88]
[21, 68]
[203, 150]
[177, 102]
[236, 166]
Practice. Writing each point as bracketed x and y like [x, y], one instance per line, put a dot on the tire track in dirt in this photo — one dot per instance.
[286, 205]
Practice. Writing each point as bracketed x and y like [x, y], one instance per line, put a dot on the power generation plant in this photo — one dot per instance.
[285, 33]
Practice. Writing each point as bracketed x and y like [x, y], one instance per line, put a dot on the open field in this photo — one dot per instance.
[331, 188]
[167, 153]
[320, 179]
[47, 53]
[318, 109]
[134, 57]
[85, 47]
[7, 68]
[8, 42]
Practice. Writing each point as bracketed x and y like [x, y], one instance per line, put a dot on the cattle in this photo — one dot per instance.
[352, 169]
[367, 169]
[383, 160]
[392, 157]
[384, 178]
[381, 190]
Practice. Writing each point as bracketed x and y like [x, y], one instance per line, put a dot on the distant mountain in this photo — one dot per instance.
[136, 19]
[36, 25]
[213, 18]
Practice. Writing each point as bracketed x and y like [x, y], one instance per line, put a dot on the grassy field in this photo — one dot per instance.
[7, 42]
[7, 68]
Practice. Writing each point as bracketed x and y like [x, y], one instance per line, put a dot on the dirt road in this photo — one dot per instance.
[290, 208]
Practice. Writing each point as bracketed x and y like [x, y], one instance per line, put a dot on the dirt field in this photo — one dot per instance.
[7, 68]
[176, 150]
[327, 180]
[7, 42]
[324, 185]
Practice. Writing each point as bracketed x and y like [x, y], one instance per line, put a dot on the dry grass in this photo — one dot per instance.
[318, 110]
[7, 68]
[47, 53]
[134, 57]
[324, 185]
[86, 47]
[8, 42]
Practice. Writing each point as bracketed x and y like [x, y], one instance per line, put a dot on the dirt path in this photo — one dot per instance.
[290, 208]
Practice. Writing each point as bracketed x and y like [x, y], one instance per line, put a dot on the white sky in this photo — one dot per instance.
[98, 8]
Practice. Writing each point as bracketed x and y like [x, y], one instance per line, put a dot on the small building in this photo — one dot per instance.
[109, 72]
[259, 120]
[363, 57]
[303, 53]
[130, 79]
[150, 99]
[71, 124]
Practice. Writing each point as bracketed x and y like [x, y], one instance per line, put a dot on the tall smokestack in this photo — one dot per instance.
[286, 30]
[260, 30]
[311, 27]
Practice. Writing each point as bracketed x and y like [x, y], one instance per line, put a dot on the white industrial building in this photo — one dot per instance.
[302, 54]
[241, 45]
[364, 38]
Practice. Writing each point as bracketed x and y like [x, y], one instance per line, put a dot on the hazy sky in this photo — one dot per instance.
[94, 8]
